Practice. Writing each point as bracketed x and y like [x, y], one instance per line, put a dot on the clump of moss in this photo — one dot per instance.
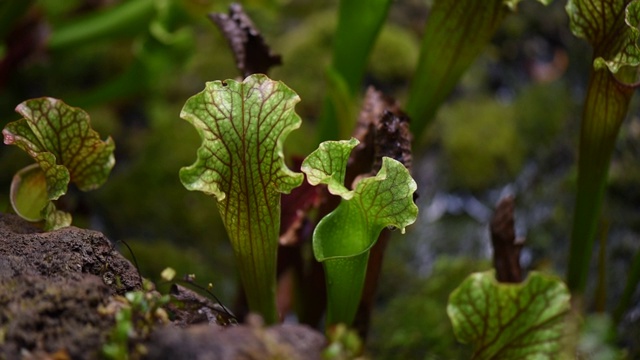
[415, 325]
[306, 53]
[480, 142]
[307, 50]
[541, 112]
[137, 314]
[395, 55]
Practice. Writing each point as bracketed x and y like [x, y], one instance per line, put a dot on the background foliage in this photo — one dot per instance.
[510, 126]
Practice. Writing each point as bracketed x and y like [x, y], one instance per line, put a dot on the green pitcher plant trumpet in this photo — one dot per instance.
[243, 126]
[342, 239]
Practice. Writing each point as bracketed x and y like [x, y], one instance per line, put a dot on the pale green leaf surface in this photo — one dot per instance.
[328, 165]
[377, 202]
[510, 321]
[54, 218]
[343, 238]
[243, 126]
[611, 27]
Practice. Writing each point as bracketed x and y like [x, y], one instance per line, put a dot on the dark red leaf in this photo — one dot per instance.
[295, 205]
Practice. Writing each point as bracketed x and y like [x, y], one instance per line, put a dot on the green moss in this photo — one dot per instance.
[306, 53]
[480, 142]
[395, 55]
[153, 256]
[415, 325]
[541, 111]
[144, 196]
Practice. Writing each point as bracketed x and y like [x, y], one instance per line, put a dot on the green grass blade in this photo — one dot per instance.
[123, 20]
[359, 23]
[455, 34]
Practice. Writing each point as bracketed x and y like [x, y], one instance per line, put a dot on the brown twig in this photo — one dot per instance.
[506, 249]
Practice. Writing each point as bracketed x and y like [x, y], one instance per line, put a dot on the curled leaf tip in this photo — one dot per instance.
[513, 4]
[327, 165]
[611, 27]
[249, 48]
[8, 137]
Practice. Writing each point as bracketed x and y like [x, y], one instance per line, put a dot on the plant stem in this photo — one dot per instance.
[344, 292]
[359, 23]
[605, 108]
[254, 239]
[632, 283]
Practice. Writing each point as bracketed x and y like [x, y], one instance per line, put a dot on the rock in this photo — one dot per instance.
[202, 342]
[24, 249]
[53, 285]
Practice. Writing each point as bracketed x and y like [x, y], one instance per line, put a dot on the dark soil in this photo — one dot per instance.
[55, 286]
[51, 286]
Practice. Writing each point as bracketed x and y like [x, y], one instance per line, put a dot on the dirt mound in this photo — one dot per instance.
[53, 285]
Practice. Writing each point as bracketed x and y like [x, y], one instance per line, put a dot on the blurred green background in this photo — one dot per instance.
[511, 126]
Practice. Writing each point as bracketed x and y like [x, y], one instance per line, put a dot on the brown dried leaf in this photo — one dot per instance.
[295, 207]
[249, 48]
[506, 249]
[383, 130]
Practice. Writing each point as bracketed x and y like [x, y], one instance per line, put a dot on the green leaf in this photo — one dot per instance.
[243, 126]
[510, 321]
[457, 31]
[377, 202]
[328, 165]
[343, 238]
[611, 27]
[60, 139]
